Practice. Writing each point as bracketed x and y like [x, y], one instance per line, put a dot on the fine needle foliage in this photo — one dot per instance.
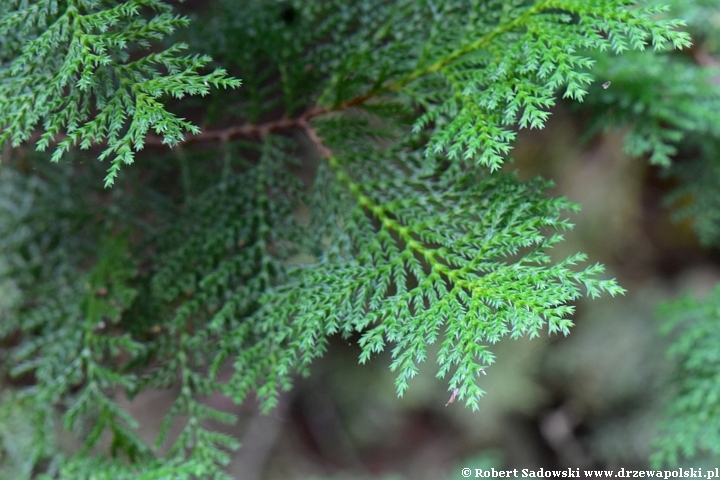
[73, 67]
[350, 186]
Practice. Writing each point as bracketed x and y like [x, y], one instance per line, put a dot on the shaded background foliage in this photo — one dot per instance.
[593, 399]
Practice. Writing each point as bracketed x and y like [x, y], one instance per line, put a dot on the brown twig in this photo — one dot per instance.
[244, 130]
[253, 130]
[261, 130]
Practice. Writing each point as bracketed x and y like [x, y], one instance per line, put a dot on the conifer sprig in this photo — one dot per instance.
[78, 72]
[488, 87]
[448, 260]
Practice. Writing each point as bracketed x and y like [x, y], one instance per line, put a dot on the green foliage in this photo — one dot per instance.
[665, 99]
[459, 269]
[701, 17]
[697, 196]
[691, 424]
[74, 67]
[668, 103]
[22, 443]
[350, 187]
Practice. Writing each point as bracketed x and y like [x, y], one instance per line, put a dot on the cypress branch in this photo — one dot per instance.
[239, 247]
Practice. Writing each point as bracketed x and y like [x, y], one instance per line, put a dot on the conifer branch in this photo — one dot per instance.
[408, 241]
[263, 129]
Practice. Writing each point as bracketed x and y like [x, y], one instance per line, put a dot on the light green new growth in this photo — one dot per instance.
[353, 190]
